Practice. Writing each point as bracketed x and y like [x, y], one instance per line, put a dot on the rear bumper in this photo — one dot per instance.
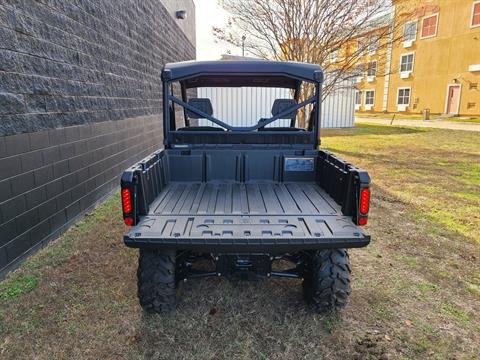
[254, 233]
[248, 245]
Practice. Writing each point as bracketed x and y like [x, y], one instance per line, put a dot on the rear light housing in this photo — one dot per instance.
[127, 206]
[362, 220]
[364, 201]
[129, 221]
[363, 206]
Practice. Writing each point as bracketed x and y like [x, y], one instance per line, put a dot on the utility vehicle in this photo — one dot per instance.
[244, 198]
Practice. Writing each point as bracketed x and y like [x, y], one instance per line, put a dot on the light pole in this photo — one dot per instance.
[243, 45]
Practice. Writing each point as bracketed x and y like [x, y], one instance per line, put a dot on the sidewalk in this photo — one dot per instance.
[439, 124]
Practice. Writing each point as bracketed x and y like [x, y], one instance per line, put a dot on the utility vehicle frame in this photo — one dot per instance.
[240, 200]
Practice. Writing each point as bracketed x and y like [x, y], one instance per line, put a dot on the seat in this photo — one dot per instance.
[280, 105]
[202, 104]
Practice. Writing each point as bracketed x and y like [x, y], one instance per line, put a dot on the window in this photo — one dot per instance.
[373, 44]
[406, 63]
[369, 97]
[359, 69]
[429, 26]
[358, 97]
[333, 56]
[361, 46]
[410, 31]
[403, 97]
[475, 14]
[372, 68]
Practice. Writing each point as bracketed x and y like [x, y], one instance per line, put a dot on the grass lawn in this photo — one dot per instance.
[435, 171]
[414, 117]
[416, 287]
[470, 120]
[389, 116]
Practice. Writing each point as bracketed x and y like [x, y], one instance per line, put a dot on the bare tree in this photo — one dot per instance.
[337, 34]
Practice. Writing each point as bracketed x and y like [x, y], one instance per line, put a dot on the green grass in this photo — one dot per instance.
[469, 120]
[410, 261]
[455, 312]
[17, 286]
[331, 322]
[26, 278]
[435, 170]
[389, 116]
[474, 289]
[426, 287]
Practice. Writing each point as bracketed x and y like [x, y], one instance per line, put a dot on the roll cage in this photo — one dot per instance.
[194, 74]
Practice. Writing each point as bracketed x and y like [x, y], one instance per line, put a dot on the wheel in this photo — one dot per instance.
[326, 282]
[156, 280]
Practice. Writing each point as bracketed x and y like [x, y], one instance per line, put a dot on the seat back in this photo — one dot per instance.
[202, 104]
[280, 105]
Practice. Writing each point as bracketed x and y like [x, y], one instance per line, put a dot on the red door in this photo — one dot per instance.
[453, 99]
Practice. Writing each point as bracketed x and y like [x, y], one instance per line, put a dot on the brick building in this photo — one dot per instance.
[80, 100]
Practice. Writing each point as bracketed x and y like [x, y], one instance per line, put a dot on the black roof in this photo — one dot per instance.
[242, 73]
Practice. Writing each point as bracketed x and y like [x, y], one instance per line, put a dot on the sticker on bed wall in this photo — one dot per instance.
[299, 164]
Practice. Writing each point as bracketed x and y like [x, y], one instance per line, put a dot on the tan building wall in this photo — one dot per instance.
[366, 83]
[375, 83]
[440, 61]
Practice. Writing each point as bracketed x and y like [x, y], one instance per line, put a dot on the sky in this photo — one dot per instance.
[209, 14]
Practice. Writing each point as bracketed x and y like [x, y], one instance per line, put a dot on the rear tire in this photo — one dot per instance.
[156, 281]
[326, 283]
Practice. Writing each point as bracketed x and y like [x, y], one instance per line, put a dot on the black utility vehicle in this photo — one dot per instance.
[244, 198]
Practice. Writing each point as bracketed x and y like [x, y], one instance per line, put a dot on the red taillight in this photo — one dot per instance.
[128, 221]
[364, 201]
[362, 221]
[126, 201]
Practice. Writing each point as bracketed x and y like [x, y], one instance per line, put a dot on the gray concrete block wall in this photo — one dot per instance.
[80, 100]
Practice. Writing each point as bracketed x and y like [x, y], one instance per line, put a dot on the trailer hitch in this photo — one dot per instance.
[239, 266]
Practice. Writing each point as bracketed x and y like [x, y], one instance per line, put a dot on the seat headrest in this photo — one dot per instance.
[202, 104]
[280, 105]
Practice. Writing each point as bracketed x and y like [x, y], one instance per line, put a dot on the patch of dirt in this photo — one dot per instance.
[371, 346]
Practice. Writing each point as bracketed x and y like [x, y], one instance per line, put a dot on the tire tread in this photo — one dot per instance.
[327, 287]
[156, 281]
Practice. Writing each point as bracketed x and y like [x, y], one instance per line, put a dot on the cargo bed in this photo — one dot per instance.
[219, 215]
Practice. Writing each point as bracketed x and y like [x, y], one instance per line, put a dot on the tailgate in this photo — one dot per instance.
[211, 233]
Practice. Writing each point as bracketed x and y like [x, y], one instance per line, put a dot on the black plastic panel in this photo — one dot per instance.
[286, 199]
[233, 198]
[246, 233]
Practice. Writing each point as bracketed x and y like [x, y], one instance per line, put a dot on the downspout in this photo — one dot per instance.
[386, 83]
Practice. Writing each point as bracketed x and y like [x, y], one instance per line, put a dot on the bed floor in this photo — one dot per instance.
[257, 198]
